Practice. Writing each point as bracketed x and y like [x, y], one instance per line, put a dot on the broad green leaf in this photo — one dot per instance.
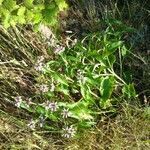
[63, 89]
[129, 91]
[106, 87]
[110, 60]
[105, 104]
[25, 106]
[86, 124]
[60, 79]
[29, 15]
[13, 20]
[111, 47]
[40, 110]
[83, 90]
[52, 117]
[6, 21]
[80, 111]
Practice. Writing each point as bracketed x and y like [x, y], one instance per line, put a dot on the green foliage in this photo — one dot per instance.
[82, 81]
[129, 91]
[14, 12]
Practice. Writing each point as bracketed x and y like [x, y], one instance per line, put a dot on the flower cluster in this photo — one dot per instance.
[18, 101]
[69, 132]
[80, 75]
[32, 124]
[51, 105]
[39, 64]
[41, 121]
[44, 88]
[52, 87]
[65, 113]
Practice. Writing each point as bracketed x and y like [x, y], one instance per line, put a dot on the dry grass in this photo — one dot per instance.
[14, 135]
[129, 130]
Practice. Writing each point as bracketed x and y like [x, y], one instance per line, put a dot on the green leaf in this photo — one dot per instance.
[29, 15]
[1, 1]
[9, 4]
[13, 20]
[86, 124]
[106, 87]
[28, 3]
[80, 111]
[25, 106]
[50, 14]
[40, 110]
[21, 15]
[21, 11]
[109, 61]
[52, 117]
[63, 89]
[61, 4]
[124, 50]
[37, 18]
[60, 79]
[111, 47]
[129, 91]
[106, 104]
[6, 20]
[83, 90]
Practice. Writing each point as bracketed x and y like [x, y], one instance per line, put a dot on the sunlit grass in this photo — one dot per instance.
[128, 130]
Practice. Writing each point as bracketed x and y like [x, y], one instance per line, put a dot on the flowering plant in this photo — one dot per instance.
[80, 84]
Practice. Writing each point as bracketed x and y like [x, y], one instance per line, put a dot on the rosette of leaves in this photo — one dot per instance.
[14, 12]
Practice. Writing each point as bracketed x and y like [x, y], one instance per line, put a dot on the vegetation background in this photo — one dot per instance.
[21, 44]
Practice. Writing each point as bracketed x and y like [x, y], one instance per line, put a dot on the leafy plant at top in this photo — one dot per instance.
[14, 12]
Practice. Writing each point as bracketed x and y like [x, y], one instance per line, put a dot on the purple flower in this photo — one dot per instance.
[65, 113]
[44, 88]
[52, 87]
[32, 124]
[18, 101]
[40, 59]
[39, 66]
[68, 132]
[59, 49]
[51, 105]
[41, 121]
